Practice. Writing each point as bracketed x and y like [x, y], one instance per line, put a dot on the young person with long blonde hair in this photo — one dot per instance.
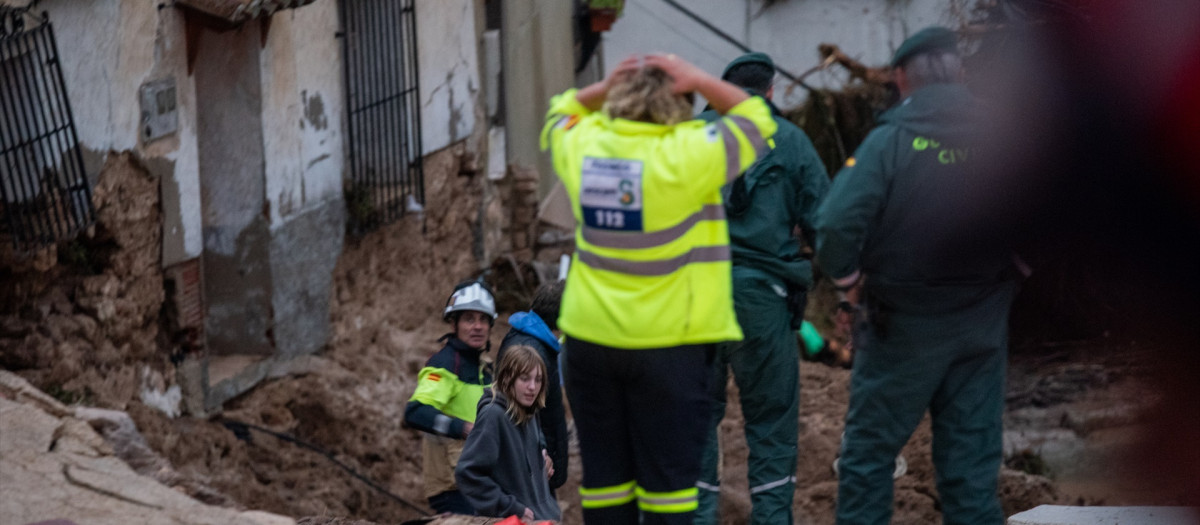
[503, 470]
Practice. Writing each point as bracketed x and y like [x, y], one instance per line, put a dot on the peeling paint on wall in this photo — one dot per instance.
[107, 49]
[449, 71]
[314, 110]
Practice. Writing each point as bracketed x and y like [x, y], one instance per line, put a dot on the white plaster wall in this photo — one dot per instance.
[449, 69]
[538, 63]
[108, 49]
[302, 109]
[183, 234]
[790, 31]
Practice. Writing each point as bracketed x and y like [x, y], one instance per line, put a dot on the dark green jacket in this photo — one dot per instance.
[895, 210]
[777, 193]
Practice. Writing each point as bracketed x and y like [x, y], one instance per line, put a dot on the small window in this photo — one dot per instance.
[44, 192]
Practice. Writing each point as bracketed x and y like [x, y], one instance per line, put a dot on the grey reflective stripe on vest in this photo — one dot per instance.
[752, 134]
[700, 254]
[709, 487]
[637, 240]
[733, 153]
[562, 120]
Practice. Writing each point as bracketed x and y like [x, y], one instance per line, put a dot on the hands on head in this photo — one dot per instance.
[685, 76]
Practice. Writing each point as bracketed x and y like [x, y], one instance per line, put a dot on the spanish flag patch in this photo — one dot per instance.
[434, 377]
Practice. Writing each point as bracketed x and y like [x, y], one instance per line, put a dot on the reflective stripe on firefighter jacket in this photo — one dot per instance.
[448, 391]
[652, 261]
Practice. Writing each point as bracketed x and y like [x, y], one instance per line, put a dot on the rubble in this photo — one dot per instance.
[53, 465]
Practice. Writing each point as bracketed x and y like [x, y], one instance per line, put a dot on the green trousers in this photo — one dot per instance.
[765, 367]
[952, 365]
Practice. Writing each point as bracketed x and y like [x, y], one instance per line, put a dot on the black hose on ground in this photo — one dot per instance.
[242, 430]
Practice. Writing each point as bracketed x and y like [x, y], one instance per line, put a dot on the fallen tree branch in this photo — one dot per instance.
[873, 75]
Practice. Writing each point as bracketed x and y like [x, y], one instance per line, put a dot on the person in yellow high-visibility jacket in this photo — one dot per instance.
[649, 292]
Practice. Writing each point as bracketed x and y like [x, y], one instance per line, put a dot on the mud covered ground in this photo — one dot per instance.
[1075, 410]
[1073, 413]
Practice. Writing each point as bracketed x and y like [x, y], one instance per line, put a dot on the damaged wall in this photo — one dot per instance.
[87, 328]
[302, 118]
[251, 184]
[108, 50]
[271, 169]
[85, 317]
[449, 70]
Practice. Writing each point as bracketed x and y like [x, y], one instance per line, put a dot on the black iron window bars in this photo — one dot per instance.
[383, 111]
[44, 192]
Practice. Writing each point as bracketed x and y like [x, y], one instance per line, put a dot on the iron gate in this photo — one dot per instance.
[44, 192]
[384, 124]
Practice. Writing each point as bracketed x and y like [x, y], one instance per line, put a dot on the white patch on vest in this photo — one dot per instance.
[711, 132]
[610, 193]
[779, 290]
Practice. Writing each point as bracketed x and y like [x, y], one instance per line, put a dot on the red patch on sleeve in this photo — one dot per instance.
[434, 377]
[572, 121]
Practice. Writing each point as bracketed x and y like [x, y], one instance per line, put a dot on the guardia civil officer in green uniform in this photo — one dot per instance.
[771, 277]
[932, 329]
[649, 293]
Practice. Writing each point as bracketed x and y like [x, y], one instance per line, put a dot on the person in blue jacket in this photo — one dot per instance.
[536, 328]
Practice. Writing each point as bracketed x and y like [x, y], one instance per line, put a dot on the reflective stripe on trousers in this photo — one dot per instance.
[773, 484]
[753, 490]
[598, 498]
[667, 502]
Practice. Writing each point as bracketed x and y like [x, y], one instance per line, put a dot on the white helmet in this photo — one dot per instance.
[470, 295]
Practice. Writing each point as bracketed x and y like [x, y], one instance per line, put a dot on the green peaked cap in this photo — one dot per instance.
[935, 38]
[749, 58]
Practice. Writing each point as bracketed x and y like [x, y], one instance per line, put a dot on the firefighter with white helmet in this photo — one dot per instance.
[448, 390]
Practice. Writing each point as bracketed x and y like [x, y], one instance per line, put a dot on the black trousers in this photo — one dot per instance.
[451, 501]
[642, 417]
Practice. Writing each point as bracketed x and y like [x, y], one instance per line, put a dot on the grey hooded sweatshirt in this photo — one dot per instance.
[501, 472]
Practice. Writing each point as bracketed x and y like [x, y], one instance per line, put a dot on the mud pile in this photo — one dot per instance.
[389, 288]
[88, 465]
[81, 320]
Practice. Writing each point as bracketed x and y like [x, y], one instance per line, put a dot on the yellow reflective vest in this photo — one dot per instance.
[652, 263]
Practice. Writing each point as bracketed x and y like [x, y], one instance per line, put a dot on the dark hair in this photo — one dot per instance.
[546, 301]
[453, 317]
[755, 76]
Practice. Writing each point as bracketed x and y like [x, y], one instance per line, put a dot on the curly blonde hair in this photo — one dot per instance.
[517, 360]
[645, 95]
